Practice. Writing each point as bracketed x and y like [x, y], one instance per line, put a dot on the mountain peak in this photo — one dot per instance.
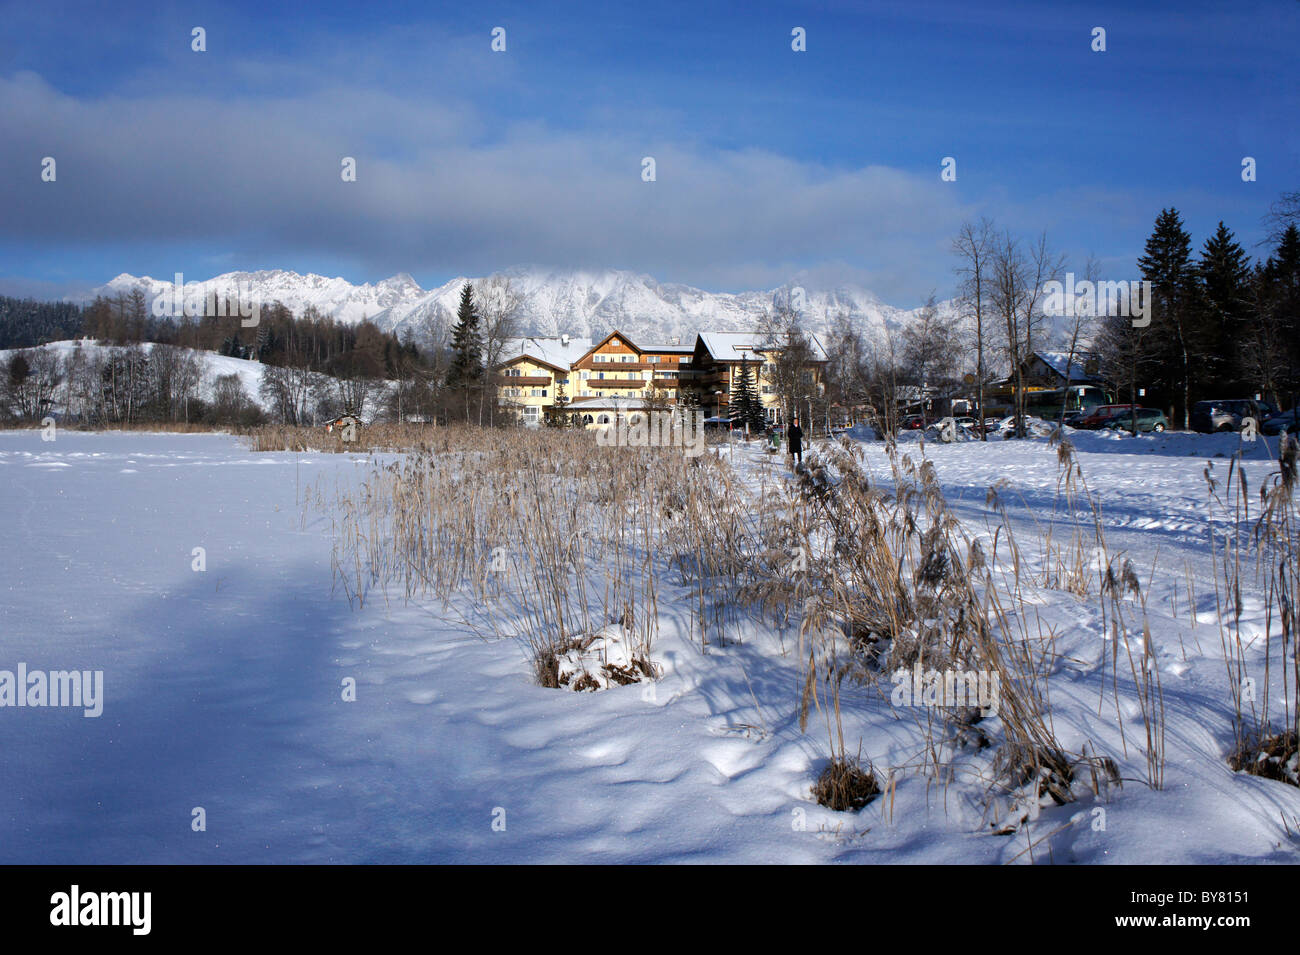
[580, 302]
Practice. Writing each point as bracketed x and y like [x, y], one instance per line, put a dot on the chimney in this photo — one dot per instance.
[676, 341]
[564, 340]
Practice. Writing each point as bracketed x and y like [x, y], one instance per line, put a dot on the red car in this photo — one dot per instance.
[1100, 414]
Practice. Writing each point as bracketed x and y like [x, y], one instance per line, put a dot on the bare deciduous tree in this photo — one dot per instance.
[929, 348]
[973, 248]
[1017, 291]
[498, 308]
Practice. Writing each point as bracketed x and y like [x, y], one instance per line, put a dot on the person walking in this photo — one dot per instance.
[794, 440]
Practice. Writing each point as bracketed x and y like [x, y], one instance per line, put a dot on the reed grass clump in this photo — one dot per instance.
[542, 536]
[845, 785]
[1262, 555]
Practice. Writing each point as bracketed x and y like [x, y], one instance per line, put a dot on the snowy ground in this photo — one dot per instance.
[224, 690]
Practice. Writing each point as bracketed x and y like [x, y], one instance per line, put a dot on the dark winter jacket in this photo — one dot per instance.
[795, 436]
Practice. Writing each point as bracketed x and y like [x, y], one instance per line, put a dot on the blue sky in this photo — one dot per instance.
[770, 163]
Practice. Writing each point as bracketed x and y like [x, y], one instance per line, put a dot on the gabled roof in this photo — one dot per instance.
[614, 334]
[670, 349]
[548, 351]
[734, 346]
[1056, 360]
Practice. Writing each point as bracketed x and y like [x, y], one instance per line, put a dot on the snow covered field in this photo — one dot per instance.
[224, 689]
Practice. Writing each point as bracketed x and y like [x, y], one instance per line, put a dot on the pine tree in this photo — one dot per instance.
[1167, 265]
[1263, 353]
[746, 409]
[466, 370]
[1224, 273]
[1282, 274]
[560, 417]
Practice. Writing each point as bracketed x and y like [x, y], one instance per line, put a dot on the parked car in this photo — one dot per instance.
[963, 423]
[1224, 414]
[1288, 421]
[1147, 419]
[1100, 415]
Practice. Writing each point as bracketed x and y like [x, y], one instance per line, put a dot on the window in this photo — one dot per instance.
[652, 359]
[604, 419]
[586, 419]
[513, 373]
[531, 411]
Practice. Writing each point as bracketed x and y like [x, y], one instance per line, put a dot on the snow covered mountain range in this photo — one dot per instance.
[580, 303]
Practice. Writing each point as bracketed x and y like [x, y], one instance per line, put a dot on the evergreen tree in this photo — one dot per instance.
[25, 323]
[466, 368]
[1224, 273]
[19, 369]
[746, 409]
[560, 417]
[1282, 274]
[1264, 351]
[1167, 264]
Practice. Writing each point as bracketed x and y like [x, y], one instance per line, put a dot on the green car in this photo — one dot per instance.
[1148, 419]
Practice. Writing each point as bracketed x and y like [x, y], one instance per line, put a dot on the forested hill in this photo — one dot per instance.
[25, 322]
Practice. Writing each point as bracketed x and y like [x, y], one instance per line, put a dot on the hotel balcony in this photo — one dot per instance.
[524, 380]
[615, 383]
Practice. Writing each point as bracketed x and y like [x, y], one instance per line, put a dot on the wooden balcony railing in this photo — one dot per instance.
[615, 383]
[524, 380]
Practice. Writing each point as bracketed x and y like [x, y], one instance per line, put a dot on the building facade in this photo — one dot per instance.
[545, 377]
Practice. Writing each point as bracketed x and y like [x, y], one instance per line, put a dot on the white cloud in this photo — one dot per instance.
[440, 190]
